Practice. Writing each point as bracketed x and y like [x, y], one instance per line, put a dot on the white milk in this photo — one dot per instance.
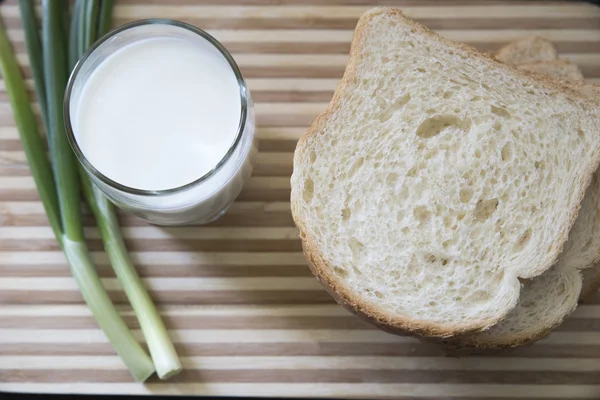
[160, 105]
[158, 113]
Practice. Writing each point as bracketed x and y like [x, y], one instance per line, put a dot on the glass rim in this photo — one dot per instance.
[144, 22]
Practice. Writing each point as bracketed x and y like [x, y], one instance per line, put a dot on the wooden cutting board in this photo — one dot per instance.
[245, 313]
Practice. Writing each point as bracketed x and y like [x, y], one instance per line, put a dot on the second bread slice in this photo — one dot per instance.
[558, 69]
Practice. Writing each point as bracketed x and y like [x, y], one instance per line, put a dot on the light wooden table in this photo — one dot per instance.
[247, 316]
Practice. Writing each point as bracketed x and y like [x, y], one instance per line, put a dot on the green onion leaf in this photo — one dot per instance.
[32, 142]
[105, 22]
[67, 181]
[161, 348]
[34, 51]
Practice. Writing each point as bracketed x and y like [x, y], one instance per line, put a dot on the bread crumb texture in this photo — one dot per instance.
[437, 177]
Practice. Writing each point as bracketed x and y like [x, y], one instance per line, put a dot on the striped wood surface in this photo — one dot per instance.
[246, 315]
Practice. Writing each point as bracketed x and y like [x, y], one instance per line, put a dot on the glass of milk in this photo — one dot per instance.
[160, 117]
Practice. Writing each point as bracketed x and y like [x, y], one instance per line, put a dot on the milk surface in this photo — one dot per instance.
[159, 113]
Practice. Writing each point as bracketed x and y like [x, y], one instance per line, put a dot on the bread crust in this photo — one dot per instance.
[367, 310]
[473, 342]
[557, 69]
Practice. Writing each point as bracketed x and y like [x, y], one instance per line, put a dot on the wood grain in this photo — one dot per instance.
[245, 313]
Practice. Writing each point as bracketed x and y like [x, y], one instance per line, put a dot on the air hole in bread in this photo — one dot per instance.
[308, 190]
[465, 195]
[421, 69]
[400, 216]
[522, 241]
[313, 156]
[485, 86]
[485, 208]
[391, 179]
[422, 214]
[341, 272]
[500, 111]
[396, 106]
[475, 98]
[479, 296]
[467, 77]
[413, 171]
[447, 94]
[580, 133]
[431, 153]
[447, 221]
[435, 125]
[356, 247]
[507, 152]
[355, 167]
[346, 213]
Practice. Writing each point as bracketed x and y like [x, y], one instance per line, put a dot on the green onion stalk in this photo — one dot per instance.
[34, 52]
[61, 195]
[95, 22]
[31, 140]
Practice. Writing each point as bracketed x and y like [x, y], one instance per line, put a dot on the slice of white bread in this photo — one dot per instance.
[436, 177]
[548, 299]
[536, 49]
[558, 69]
[544, 303]
[529, 49]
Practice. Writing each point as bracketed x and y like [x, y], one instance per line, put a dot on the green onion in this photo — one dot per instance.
[73, 33]
[92, 7]
[34, 51]
[50, 65]
[105, 21]
[67, 182]
[80, 16]
[31, 140]
[161, 348]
